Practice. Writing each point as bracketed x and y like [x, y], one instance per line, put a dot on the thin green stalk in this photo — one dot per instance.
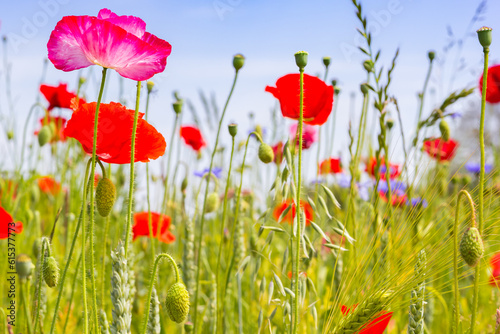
[295, 280]
[91, 229]
[25, 307]
[24, 133]
[195, 309]
[73, 289]
[465, 193]
[70, 255]
[334, 117]
[150, 220]
[45, 242]
[486, 51]
[132, 161]
[169, 160]
[221, 238]
[152, 282]
[104, 251]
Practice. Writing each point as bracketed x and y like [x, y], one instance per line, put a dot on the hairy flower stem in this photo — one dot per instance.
[132, 159]
[24, 290]
[219, 305]
[455, 252]
[91, 229]
[152, 283]
[202, 219]
[41, 259]
[486, 51]
[150, 220]
[296, 260]
[70, 255]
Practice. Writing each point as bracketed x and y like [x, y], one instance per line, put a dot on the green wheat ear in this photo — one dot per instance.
[177, 302]
[154, 326]
[120, 292]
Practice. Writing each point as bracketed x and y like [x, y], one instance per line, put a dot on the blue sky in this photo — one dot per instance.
[205, 34]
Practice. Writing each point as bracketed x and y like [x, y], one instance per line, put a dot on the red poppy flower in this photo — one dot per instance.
[376, 326]
[440, 149]
[318, 98]
[118, 42]
[492, 84]
[6, 227]
[330, 166]
[48, 185]
[398, 198]
[394, 169]
[114, 133]
[58, 96]
[141, 226]
[8, 187]
[58, 125]
[278, 152]
[193, 137]
[495, 270]
[291, 214]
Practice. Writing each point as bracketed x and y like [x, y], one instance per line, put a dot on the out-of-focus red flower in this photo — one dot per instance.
[309, 135]
[192, 136]
[8, 187]
[376, 326]
[58, 125]
[394, 169]
[398, 198]
[440, 149]
[492, 84]
[6, 226]
[111, 41]
[318, 98]
[306, 208]
[58, 96]
[330, 166]
[301, 273]
[141, 226]
[114, 133]
[278, 153]
[48, 185]
[495, 270]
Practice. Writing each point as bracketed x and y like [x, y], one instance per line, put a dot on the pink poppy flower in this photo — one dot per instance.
[117, 42]
[309, 135]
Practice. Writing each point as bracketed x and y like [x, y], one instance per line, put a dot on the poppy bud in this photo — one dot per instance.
[431, 55]
[212, 203]
[150, 85]
[184, 184]
[301, 59]
[336, 90]
[178, 106]
[233, 129]
[24, 266]
[36, 247]
[327, 61]
[364, 88]
[105, 196]
[50, 271]
[484, 36]
[44, 135]
[471, 246]
[10, 135]
[444, 128]
[238, 61]
[390, 123]
[177, 303]
[368, 65]
[266, 154]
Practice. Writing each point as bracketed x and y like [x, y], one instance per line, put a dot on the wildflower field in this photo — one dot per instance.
[114, 222]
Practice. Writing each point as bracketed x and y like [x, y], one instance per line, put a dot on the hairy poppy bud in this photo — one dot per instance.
[444, 128]
[150, 85]
[327, 61]
[484, 36]
[301, 59]
[50, 271]
[213, 202]
[238, 61]
[266, 154]
[177, 303]
[471, 246]
[24, 266]
[184, 184]
[233, 129]
[44, 135]
[105, 196]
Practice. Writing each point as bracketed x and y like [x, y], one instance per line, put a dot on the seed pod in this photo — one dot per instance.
[471, 246]
[301, 58]
[24, 266]
[213, 202]
[266, 154]
[233, 129]
[177, 303]
[238, 61]
[44, 135]
[51, 271]
[105, 196]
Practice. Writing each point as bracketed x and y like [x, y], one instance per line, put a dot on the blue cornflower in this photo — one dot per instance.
[217, 171]
[475, 167]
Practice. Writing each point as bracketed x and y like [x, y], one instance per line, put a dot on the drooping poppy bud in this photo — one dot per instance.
[471, 246]
[50, 271]
[177, 302]
[213, 202]
[266, 154]
[444, 128]
[44, 135]
[105, 196]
